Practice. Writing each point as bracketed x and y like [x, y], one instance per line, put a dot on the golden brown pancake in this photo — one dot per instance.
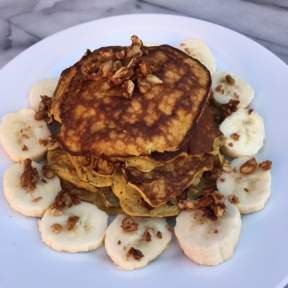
[98, 119]
[168, 181]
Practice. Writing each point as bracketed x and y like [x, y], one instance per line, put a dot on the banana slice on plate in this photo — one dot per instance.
[24, 137]
[33, 194]
[226, 87]
[78, 228]
[248, 184]
[45, 86]
[205, 241]
[245, 133]
[132, 242]
[199, 50]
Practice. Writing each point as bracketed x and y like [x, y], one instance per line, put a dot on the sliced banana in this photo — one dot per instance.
[208, 242]
[245, 133]
[45, 86]
[132, 242]
[198, 49]
[22, 136]
[29, 203]
[76, 229]
[247, 184]
[226, 87]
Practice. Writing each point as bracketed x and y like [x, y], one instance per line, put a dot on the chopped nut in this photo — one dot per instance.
[144, 69]
[127, 88]
[42, 113]
[233, 199]
[218, 197]
[119, 242]
[147, 235]
[159, 235]
[56, 228]
[218, 210]
[246, 189]
[219, 89]
[230, 107]
[71, 222]
[249, 166]
[230, 144]
[47, 172]
[129, 224]
[65, 199]
[250, 111]
[235, 136]
[266, 165]
[143, 85]
[211, 202]
[29, 177]
[230, 80]
[153, 79]
[137, 254]
[37, 199]
[24, 148]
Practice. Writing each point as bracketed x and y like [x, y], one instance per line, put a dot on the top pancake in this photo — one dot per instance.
[98, 119]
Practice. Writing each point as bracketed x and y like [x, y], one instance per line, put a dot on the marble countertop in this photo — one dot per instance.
[24, 23]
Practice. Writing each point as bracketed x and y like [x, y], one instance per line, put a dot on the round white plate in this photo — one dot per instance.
[261, 257]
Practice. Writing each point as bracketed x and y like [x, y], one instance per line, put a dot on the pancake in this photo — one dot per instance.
[100, 118]
[102, 197]
[133, 204]
[168, 181]
[60, 164]
[96, 171]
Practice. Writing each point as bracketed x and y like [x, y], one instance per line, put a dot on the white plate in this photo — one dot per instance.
[261, 257]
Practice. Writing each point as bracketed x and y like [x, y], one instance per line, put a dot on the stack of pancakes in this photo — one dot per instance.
[137, 130]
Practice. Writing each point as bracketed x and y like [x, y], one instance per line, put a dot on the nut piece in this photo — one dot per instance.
[65, 199]
[230, 80]
[211, 202]
[129, 224]
[71, 222]
[147, 235]
[29, 177]
[56, 228]
[249, 166]
[47, 172]
[266, 165]
[137, 254]
[233, 199]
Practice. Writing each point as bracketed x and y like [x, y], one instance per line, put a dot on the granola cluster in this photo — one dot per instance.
[211, 202]
[125, 69]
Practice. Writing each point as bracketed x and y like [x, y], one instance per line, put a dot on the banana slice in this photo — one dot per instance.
[248, 185]
[245, 133]
[76, 229]
[132, 242]
[199, 50]
[208, 242]
[24, 137]
[29, 203]
[226, 87]
[45, 86]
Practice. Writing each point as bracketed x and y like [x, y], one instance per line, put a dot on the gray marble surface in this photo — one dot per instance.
[25, 22]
